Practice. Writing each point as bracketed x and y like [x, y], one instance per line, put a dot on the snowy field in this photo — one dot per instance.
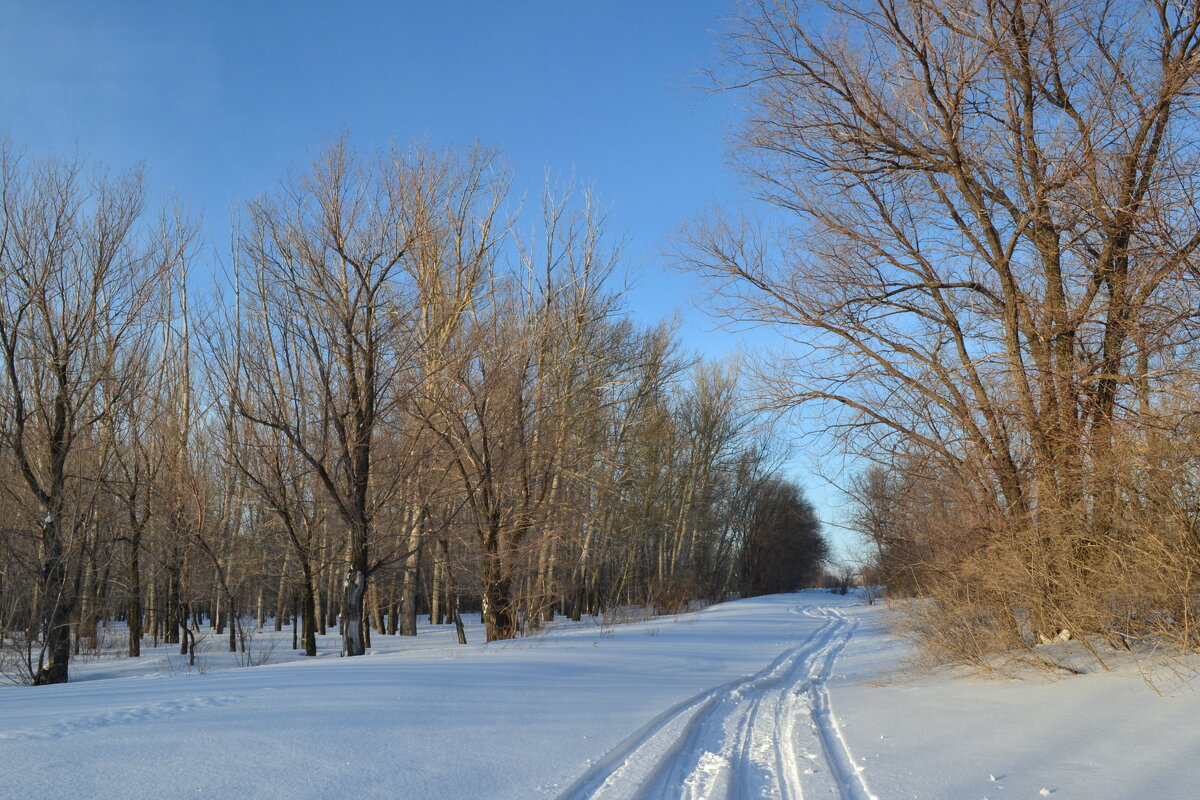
[776, 697]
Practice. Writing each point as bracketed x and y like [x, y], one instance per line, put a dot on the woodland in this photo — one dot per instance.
[395, 404]
[974, 223]
[978, 223]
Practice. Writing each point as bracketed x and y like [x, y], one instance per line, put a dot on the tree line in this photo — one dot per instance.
[407, 398]
[982, 231]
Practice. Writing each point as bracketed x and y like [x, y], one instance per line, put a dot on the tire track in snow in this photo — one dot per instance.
[847, 774]
[655, 754]
[771, 735]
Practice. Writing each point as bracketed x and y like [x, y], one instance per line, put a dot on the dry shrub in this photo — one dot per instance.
[1112, 568]
[673, 595]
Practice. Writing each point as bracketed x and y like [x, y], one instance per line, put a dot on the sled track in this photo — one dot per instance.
[771, 735]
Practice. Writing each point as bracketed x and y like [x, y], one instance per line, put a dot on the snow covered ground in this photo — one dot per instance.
[774, 697]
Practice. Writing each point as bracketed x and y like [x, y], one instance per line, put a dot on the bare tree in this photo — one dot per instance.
[987, 223]
[507, 412]
[405, 397]
[453, 212]
[79, 279]
[133, 482]
[338, 263]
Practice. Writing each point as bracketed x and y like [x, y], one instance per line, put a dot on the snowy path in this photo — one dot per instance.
[771, 735]
[733, 701]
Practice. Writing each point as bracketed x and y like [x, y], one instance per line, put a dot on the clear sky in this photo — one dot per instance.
[218, 98]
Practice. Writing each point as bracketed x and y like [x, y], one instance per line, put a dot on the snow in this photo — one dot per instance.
[776, 697]
[1100, 735]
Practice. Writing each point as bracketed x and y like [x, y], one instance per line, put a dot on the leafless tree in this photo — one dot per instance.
[80, 276]
[982, 239]
[318, 337]
[343, 266]
[409, 395]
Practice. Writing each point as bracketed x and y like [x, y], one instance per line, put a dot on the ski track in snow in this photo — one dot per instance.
[771, 735]
[123, 716]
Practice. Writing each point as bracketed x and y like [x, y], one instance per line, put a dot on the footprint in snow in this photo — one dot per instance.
[121, 716]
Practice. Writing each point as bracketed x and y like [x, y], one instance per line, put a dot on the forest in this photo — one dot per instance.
[971, 227]
[402, 397]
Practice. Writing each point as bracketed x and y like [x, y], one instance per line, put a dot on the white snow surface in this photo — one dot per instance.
[773, 697]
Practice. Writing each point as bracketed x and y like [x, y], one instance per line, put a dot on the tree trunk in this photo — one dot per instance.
[235, 623]
[458, 624]
[377, 609]
[58, 605]
[182, 630]
[311, 615]
[86, 637]
[498, 619]
[435, 595]
[393, 613]
[133, 610]
[409, 577]
[153, 621]
[171, 621]
[331, 607]
[352, 613]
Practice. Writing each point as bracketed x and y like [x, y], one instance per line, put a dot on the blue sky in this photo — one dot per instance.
[218, 99]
